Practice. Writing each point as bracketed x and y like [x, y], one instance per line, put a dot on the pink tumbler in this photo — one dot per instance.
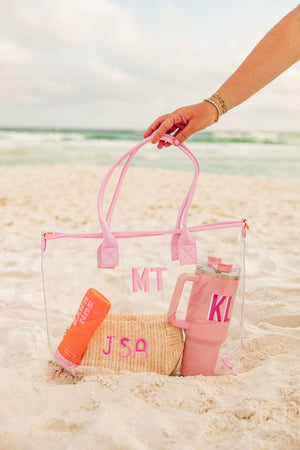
[208, 314]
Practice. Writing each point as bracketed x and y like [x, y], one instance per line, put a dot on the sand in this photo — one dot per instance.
[43, 408]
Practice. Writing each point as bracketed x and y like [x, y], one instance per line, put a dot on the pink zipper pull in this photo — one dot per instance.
[227, 364]
[245, 225]
[44, 237]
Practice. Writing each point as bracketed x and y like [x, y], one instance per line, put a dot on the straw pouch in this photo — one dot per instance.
[138, 343]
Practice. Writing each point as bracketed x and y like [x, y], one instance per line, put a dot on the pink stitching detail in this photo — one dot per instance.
[109, 255]
[126, 346]
[110, 339]
[141, 350]
[188, 254]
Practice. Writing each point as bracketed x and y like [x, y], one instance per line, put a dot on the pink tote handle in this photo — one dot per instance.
[108, 251]
[117, 190]
[175, 236]
[171, 315]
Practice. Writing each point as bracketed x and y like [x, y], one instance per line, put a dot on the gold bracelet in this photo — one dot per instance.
[222, 102]
[215, 105]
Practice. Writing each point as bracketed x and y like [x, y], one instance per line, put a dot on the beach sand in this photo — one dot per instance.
[43, 408]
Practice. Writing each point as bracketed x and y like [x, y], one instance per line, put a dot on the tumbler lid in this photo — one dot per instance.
[214, 272]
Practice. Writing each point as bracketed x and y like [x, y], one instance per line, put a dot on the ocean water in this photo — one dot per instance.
[251, 153]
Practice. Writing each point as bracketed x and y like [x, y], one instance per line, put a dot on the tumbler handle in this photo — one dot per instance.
[171, 315]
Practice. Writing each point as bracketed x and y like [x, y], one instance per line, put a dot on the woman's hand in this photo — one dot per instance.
[182, 123]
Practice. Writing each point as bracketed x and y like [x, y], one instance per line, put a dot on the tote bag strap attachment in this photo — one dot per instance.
[183, 246]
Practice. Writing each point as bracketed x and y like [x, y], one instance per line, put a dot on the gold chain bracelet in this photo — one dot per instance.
[222, 102]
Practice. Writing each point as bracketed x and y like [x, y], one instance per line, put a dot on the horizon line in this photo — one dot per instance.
[138, 129]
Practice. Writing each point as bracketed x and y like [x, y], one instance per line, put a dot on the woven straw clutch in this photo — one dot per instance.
[137, 343]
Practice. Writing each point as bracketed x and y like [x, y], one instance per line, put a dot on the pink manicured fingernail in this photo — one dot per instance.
[176, 142]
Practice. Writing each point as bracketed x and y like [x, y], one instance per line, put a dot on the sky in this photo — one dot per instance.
[120, 64]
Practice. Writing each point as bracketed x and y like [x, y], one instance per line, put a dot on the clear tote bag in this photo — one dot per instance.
[146, 300]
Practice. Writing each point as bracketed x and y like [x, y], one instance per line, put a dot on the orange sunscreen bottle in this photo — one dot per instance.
[91, 313]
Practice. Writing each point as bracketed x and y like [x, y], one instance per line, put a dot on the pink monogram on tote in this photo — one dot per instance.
[176, 294]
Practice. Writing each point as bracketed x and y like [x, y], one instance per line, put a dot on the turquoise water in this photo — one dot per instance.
[253, 153]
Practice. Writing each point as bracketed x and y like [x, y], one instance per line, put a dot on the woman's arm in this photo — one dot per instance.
[275, 53]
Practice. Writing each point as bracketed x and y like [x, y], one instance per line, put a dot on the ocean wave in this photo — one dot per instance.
[253, 153]
[61, 134]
